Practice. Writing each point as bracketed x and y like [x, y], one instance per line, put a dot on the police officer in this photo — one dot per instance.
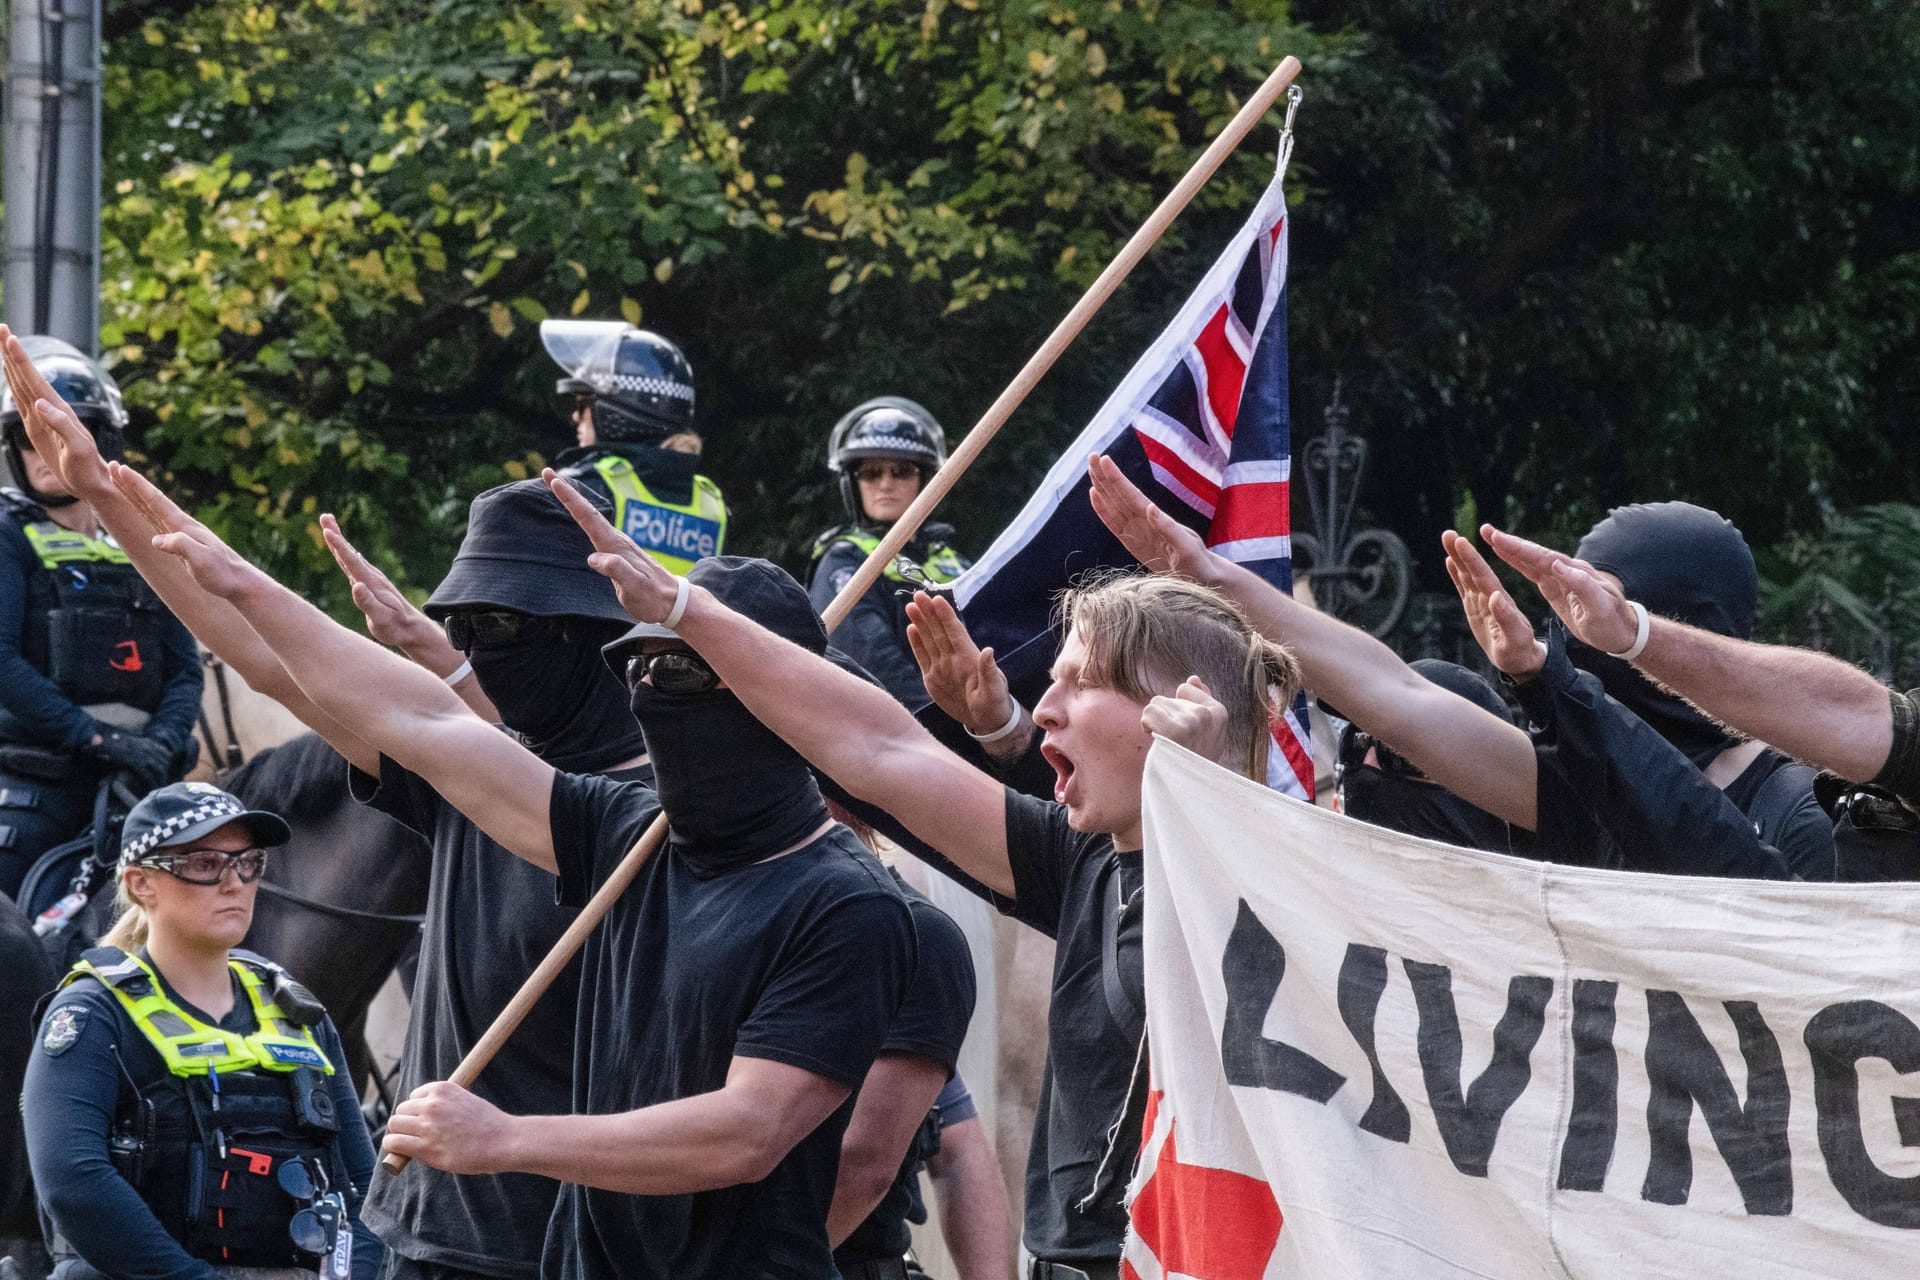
[631, 397]
[884, 452]
[188, 1111]
[95, 675]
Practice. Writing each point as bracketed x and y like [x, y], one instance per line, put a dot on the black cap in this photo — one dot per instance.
[524, 552]
[177, 813]
[1470, 685]
[757, 589]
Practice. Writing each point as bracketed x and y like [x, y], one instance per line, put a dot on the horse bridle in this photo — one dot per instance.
[225, 760]
[232, 756]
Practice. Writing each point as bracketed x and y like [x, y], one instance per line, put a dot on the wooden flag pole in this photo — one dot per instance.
[904, 528]
[1064, 333]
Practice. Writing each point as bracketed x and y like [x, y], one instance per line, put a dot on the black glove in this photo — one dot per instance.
[147, 763]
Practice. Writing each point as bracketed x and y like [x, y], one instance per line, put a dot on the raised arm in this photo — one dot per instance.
[853, 732]
[1807, 704]
[396, 708]
[1472, 753]
[393, 620]
[68, 447]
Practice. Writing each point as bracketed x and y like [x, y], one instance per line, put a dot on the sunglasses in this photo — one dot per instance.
[673, 672]
[1354, 745]
[473, 629]
[874, 471]
[208, 867]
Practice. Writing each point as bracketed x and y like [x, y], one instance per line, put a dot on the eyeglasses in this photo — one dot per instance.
[472, 629]
[208, 867]
[1354, 745]
[673, 672]
[871, 472]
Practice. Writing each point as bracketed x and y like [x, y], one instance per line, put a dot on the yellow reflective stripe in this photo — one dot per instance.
[56, 546]
[943, 565]
[666, 540]
[195, 1048]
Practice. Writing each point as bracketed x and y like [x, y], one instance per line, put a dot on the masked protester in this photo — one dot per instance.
[188, 1108]
[96, 677]
[739, 987]
[1690, 564]
[1380, 786]
[630, 395]
[531, 618]
[884, 452]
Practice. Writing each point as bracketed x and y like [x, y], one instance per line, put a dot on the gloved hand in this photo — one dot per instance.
[146, 762]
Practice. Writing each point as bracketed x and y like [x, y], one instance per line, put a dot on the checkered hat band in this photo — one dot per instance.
[650, 386]
[221, 806]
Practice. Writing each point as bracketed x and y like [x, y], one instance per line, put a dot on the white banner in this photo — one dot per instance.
[1376, 1057]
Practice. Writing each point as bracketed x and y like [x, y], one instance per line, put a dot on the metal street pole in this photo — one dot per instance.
[52, 171]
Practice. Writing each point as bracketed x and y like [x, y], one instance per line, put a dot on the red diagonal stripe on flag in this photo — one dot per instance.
[1211, 1224]
[1226, 370]
[1166, 459]
[1296, 753]
[1250, 510]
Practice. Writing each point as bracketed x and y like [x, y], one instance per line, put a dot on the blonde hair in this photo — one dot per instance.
[683, 442]
[130, 927]
[1145, 633]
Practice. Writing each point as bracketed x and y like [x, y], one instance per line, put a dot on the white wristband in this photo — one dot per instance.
[1640, 639]
[679, 610]
[460, 673]
[1013, 722]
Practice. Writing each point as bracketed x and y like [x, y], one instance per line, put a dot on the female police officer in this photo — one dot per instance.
[884, 452]
[95, 675]
[187, 1109]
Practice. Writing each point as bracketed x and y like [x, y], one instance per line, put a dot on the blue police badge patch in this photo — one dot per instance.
[64, 1026]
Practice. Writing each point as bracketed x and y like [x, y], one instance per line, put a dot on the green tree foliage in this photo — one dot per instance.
[1563, 256]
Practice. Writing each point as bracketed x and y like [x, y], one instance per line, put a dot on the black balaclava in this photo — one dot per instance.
[560, 699]
[1417, 807]
[734, 792]
[1682, 562]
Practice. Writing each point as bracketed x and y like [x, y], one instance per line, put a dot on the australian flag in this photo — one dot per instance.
[1200, 425]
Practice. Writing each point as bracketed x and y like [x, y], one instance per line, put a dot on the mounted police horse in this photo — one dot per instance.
[339, 905]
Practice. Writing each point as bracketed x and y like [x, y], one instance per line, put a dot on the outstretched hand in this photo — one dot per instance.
[1496, 620]
[1192, 717]
[644, 587]
[1153, 537]
[392, 619]
[216, 568]
[962, 679]
[55, 432]
[1593, 609]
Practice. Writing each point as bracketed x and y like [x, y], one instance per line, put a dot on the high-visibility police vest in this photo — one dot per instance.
[941, 563]
[203, 1146]
[93, 626]
[674, 534]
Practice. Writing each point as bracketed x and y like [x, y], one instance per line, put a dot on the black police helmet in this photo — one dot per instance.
[641, 384]
[87, 388]
[885, 427]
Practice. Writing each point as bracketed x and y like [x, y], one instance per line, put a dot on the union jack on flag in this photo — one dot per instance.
[1200, 424]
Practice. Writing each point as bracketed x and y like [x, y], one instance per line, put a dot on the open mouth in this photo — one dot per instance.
[1062, 770]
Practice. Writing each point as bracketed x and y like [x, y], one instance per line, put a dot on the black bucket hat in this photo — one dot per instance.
[758, 589]
[524, 552]
[182, 811]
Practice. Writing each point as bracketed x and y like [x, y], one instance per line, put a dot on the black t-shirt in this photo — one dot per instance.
[1777, 794]
[1075, 888]
[491, 919]
[932, 1024]
[802, 959]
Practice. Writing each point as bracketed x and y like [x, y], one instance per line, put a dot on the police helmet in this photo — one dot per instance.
[641, 384]
[884, 427]
[87, 388]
